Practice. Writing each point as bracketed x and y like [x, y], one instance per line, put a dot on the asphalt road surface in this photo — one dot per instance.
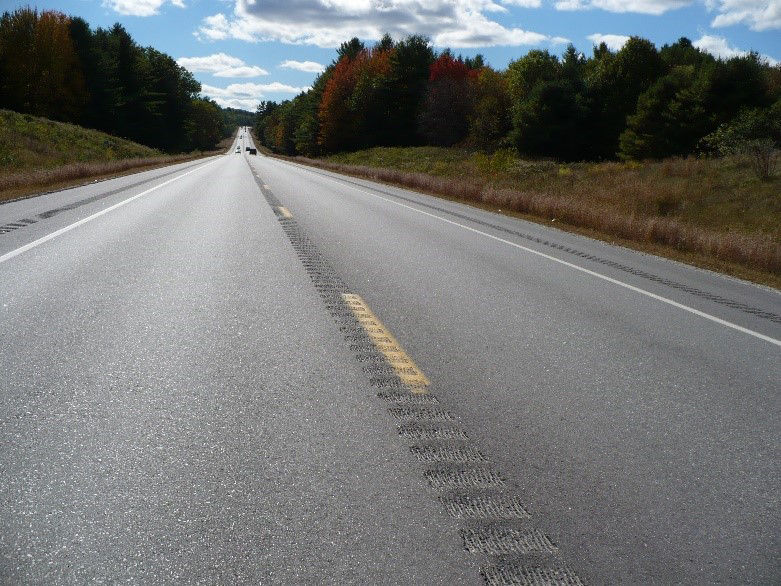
[240, 370]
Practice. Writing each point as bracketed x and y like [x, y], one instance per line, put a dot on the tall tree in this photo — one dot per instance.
[615, 82]
[350, 49]
[408, 79]
[337, 123]
[443, 117]
[203, 127]
[670, 118]
[738, 83]
[174, 88]
[39, 68]
[370, 101]
[489, 119]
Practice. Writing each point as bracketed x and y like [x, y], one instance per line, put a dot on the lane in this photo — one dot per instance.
[645, 437]
[752, 306]
[177, 406]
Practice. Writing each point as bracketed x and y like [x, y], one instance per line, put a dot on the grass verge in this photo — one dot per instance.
[37, 154]
[36, 182]
[710, 213]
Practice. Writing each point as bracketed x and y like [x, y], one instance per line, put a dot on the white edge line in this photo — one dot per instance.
[68, 228]
[707, 316]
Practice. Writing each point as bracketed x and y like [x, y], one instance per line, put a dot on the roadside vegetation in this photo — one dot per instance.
[634, 104]
[55, 66]
[37, 154]
[669, 149]
[711, 212]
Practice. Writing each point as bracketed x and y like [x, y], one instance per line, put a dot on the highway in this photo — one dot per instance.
[241, 370]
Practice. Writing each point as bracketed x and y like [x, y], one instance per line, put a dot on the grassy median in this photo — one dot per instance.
[712, 213]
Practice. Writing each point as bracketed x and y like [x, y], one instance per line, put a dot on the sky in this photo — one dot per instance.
[245, 51]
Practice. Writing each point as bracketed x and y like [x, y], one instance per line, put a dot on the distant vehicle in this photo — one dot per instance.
[253, 151]
[248, 148]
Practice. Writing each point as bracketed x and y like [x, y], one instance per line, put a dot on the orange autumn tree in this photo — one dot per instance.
[337, 123]
[355, 109]
[39, 71]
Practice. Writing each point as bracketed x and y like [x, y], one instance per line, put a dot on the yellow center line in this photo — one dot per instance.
[285, 212]
[387, 345]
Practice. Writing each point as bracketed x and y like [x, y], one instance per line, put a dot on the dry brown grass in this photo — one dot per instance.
[15, 185]
[660, 207]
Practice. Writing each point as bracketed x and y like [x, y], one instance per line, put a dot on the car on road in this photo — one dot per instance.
[238, 149]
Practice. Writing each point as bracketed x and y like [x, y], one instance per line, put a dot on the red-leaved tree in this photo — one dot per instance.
[443, 119]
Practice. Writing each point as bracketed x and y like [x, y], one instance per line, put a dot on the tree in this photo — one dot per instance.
[548, 110]
[754, 133]
[263, 121]
[350, 49]
[527, 72]
[174, 88]
[17, 47]
[407, 83]
[204, 128]
[549, 123]
[682, 52]
[489, 119]
[477, 62]
[337, 123]
[39, 69]
[670, 118]
[55, 66]
[443, 117]
[370, 102]
[614, 82]
[739, 82]
[385, 43]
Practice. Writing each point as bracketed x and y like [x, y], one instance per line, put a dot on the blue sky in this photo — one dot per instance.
[243, 51]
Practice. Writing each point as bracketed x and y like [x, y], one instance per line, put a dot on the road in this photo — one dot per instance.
[243, 370]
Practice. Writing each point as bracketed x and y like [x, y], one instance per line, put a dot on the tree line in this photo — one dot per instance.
[56, 66]
[634, 103]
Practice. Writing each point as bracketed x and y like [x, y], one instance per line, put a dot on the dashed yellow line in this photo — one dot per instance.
[284, 211]
[384, 341]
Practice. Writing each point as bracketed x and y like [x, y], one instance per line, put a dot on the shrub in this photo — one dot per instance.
[755, 134]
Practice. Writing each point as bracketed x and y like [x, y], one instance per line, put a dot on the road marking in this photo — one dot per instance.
[61, 231]
[649, 294]
[285, 212]
[386, 344]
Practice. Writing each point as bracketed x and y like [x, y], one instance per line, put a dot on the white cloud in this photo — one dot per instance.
[481, 32]
[308, 66]
[139, 7]
[613, 42]
[214, 28]
[655, 7]
[720, 47]
[247, 95]
[524, 3]
[328, 23]
[759, 15]
[221, 65]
